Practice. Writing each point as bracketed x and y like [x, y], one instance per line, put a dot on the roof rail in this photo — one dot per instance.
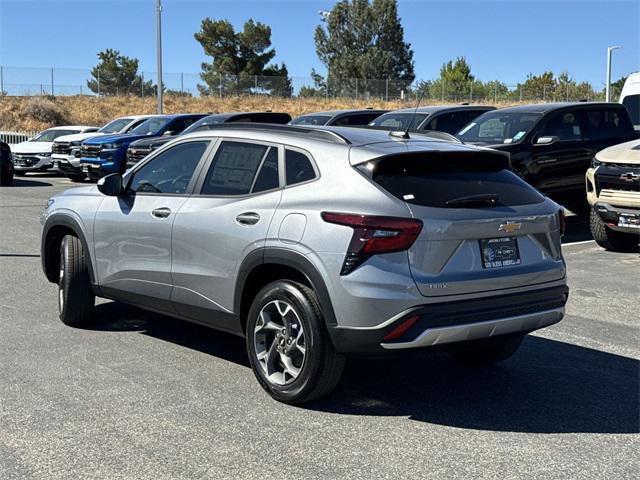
[321, 134]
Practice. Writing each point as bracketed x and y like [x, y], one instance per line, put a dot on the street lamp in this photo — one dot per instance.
[159, 51]
[608, 87]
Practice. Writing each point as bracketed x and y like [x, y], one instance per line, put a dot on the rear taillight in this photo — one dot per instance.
[373, 235]
[563, 222]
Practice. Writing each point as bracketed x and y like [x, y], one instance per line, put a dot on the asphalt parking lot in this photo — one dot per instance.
[138, 395]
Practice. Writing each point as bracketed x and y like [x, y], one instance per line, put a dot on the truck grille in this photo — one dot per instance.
[621, 178]
[63, 148]
[90, 151]
[134, 155]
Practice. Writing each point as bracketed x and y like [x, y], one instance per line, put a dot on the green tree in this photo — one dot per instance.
[539, 87]
[117, 74]
[616, 88]
[364, 40]
[456, 83]
[239, 58]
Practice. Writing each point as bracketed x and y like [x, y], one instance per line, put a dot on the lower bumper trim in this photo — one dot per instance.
[476, 331]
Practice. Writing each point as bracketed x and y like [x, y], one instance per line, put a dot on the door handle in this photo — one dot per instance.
[163, 212]
[248, 218]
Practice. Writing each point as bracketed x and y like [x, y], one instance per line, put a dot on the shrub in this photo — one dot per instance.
[45, 110]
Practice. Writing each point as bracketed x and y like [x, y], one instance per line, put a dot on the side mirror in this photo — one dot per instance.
[111, 185]
[546, 140]
[169, 133]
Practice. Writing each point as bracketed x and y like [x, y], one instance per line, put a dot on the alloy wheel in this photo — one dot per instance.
[279, 342]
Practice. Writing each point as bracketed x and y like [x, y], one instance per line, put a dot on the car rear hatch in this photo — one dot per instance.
[484, 229]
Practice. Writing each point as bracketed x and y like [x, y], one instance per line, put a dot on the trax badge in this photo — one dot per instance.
[509, 227]
[630, 177]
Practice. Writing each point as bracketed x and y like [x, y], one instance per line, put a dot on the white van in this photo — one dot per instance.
[630, 98]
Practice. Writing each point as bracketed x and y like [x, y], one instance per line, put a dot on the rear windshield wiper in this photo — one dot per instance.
[482, 200]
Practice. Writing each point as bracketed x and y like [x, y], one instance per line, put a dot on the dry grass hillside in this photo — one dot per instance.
[37, 113]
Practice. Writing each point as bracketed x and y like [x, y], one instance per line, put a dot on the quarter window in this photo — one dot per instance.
[299, 168]
[169, 172]
[233, 170]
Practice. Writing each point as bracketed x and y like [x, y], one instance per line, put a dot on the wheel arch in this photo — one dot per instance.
[265, 265]
[54, 230]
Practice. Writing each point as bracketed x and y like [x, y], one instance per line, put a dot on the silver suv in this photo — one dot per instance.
[313, 243]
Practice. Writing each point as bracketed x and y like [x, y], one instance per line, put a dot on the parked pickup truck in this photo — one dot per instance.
[141, 148]
[613, 191]
[553, 144]
[65, 152]
[103, 155]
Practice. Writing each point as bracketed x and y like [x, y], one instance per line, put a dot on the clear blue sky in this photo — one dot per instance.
[501, 39]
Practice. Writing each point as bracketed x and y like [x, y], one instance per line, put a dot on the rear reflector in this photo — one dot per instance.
[401, 329]
[374, 235]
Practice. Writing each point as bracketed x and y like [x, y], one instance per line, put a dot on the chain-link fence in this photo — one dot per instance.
[19, 81]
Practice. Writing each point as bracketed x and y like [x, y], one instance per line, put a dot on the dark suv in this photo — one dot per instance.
[141, 148]
[339, 118]
[441, 118]
[552, 145]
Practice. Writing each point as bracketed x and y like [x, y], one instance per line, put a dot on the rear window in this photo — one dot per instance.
[453, 182]
[632, 103]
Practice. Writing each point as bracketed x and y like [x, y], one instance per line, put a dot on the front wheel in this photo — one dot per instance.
[483, 353]
[289, 350]
[610, 239]
[75, 295]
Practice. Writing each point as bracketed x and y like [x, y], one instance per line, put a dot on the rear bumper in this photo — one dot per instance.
[459, 321]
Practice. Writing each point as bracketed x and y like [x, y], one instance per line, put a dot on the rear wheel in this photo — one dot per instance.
[483, 353]
[289, 349]
[75, 295]
[610, 239]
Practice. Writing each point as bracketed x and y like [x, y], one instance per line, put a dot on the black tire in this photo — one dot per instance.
[483, 353]
[610, 239]
[76, 178]
[18, 173]
[75, 295]
[6, 179]
[322, 366]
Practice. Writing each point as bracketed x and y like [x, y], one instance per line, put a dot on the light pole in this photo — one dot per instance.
[159, 51]
[608, 87]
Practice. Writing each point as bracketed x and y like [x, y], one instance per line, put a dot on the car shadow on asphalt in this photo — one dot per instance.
[547, 387]
[22, 182]
[578, 229]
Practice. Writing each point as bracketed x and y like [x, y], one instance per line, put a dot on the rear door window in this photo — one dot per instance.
[234, 168]
[606, 123]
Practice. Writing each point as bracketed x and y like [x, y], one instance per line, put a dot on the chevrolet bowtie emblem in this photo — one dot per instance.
[509, 227]
[630, 177]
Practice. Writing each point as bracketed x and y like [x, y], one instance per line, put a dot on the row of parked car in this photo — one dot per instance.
[552, 146]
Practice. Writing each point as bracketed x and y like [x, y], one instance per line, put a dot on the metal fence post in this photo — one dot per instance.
[80, 89]
[386, 90]
[442, 85]
[495, 93]
[141, 84]
[220, 85]
[356, 89]
[567, 92]
[181, 82]
[471, 92]
[520, 93]
[544, 93]
[52, 93]
[98, 82]
[255, 82]
[1, 80]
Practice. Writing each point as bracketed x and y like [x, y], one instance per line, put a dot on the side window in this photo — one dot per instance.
[179, 124]
[234, 168]
[135, 124]
[170, 171]
[605, 124]
[564, 125]
[298, 166]
[268, 177]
